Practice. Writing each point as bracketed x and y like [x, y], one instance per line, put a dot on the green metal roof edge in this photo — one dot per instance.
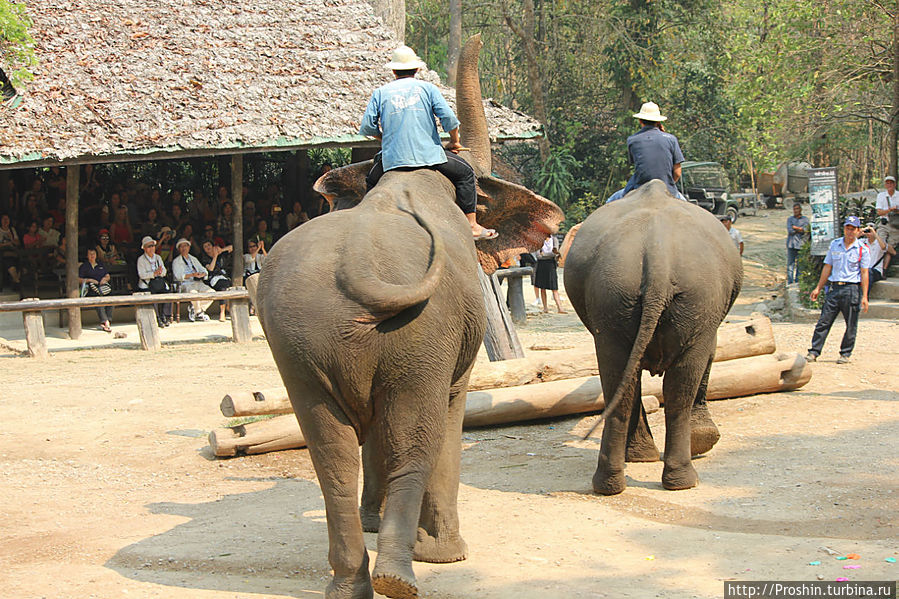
[278, 142]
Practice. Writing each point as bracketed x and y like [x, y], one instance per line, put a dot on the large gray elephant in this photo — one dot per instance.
[374, 315]
[652, 277]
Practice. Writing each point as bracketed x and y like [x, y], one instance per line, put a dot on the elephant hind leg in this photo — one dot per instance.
[439, 540]
[640, 445]
[704, 434]
[609, 477]
[372, 487]
[334, 449]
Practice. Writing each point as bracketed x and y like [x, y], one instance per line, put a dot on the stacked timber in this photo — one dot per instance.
[545, 384]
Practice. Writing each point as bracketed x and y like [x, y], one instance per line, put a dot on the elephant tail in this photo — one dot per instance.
[655, 300]
[359, 281]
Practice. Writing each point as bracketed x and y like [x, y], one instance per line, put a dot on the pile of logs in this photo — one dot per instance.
[544, 384]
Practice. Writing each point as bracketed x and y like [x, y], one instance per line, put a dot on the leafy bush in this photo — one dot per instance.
[16, 46]
[556, 176]
[580, 209]
[809, 272]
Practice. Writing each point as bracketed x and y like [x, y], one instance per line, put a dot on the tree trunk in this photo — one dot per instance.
[454, 42]
[393, 13]
[894, 113]
[237, 266]
[526, 32]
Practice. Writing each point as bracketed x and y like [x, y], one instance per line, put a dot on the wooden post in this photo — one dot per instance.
[147, 326]
[34, 333]
[500, 339]
[72, 176]
[515, 297]
[237, 267]
[240, 320]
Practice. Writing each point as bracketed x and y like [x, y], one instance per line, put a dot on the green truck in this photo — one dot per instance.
[705, 184]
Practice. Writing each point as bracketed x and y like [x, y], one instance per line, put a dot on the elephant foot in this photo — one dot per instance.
[393, 586]
[357, 587]
[642, 450]
[607, 482]
[371, 520]
[703, 432]
[440, 550]
[678, 479]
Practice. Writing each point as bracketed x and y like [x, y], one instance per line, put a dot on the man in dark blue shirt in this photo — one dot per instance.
[654, 153]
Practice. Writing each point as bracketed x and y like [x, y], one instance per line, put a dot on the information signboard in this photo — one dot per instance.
[824, 202]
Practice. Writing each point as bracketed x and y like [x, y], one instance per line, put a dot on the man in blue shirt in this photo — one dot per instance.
[654, 153]
[846, 274]
[401, 114]
[797, 233]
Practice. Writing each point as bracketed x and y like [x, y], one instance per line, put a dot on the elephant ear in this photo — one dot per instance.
[522, 218]
[344, 187]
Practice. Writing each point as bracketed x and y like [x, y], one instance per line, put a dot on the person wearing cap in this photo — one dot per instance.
[151, 277]
[189, 273]
[734, 233]
[888, 211]
[654, 153]
[107, 252]
[880, 251]
[846, 275]
[798, 228]
[401, 115]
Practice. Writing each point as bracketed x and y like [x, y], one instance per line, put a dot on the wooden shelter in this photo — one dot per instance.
[174, 79]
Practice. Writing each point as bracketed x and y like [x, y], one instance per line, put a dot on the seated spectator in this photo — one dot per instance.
[94, 279]
[210, 235]
[188, 233]
[296, 217]
[49, 235]
[32, 239]
[217, 261]
[107, 252]
[151, 277]
[178, 219]
[254, 258]
[225, 222]
[189, 272]
[31, 210]
[165, 244]
[879, 250]
[262, 233]
[59, 258]
[59, 213]
[151, 225]
[9, 244]
[120, 230]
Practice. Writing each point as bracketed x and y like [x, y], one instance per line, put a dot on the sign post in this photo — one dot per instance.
[824, 202]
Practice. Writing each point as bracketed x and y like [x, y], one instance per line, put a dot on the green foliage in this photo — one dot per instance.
[809, 272]
[16, 44]
[319, 157]
[581, 208]
[555, 178]
[858, 207]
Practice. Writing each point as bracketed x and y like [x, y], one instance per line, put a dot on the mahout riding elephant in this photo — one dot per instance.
[374, 315]
[652, 277]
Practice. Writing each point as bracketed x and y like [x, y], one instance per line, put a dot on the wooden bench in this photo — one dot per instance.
[515, 294]
[32, 308]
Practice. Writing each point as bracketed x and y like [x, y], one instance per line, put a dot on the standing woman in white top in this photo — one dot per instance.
[546, 276]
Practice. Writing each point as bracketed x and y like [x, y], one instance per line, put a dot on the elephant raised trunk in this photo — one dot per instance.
[470, 106]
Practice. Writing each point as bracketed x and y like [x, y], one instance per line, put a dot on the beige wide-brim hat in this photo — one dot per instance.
[650, 112]
[147, 241]
[404, 58]
[182, 241]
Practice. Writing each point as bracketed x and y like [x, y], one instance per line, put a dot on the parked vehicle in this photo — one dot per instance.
[789, 180]
[706, 184]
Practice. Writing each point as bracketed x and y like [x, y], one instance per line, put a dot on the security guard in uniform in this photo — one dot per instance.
[846, 275]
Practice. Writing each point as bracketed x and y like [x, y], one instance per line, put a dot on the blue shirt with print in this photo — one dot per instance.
[403, 112]
[847, 262]
[653, 154]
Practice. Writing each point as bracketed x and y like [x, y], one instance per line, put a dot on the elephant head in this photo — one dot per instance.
[522, 217]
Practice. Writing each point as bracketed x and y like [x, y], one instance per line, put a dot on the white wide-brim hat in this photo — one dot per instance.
[181, 242]
[404, 58]
[147, 241]
[650, 112]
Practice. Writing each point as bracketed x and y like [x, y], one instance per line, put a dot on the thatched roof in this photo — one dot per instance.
[119, 79]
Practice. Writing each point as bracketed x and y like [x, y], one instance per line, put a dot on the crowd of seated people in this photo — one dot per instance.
[192, 237]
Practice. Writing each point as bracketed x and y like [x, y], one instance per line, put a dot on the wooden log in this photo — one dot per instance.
[240, 320]
[735, 378]
[34, 334]
[497, 342]
[273, 434]
[508, 325]
[739, 340]
[743, 339]
[145, 315]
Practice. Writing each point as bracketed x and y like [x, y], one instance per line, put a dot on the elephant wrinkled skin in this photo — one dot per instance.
[374, 315]
[652, 277]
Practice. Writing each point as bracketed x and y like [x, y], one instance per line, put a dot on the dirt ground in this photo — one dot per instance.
[110, 489]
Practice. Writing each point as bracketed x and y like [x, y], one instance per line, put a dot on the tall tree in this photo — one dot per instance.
[454, 41]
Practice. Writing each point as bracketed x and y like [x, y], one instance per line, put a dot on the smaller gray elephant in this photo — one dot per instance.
[652, 277]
